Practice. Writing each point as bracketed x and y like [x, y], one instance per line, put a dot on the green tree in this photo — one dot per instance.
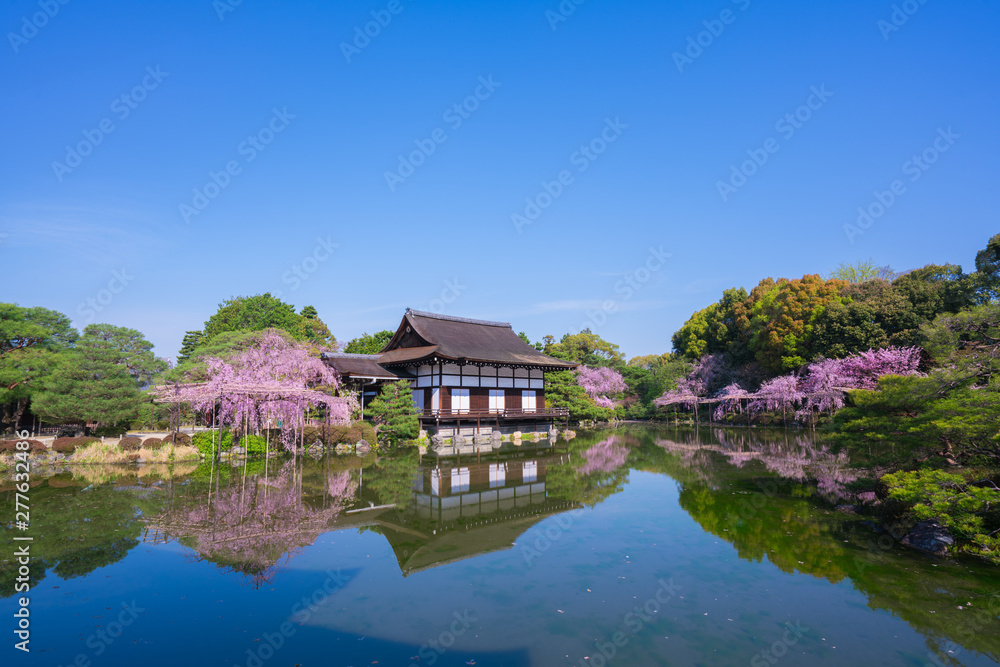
[223, 346]
[309, 313]
[192, 339]
[877, 314]
[861, 272]
[936, 289]
[31, 342]
[263, 311]
[587, 348]
[99, 379]
[368, 343]
[394, 410]
[562, 391]
[987, 276]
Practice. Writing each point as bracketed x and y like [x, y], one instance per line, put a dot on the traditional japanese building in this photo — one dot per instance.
[465, 373]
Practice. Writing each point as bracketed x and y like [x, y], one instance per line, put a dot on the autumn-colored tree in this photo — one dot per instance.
[784, 321]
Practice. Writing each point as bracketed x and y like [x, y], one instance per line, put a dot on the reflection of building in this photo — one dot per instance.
[464, 372]
[462, 509]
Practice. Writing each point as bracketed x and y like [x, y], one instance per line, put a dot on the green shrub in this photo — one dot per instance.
[254, 444]
[969, 511]
[70, 445]
[110, 431]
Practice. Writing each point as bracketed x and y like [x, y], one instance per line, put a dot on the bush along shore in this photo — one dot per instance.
[359, 437]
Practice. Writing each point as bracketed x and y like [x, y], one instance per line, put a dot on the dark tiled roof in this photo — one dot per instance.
[361, 365]
[464, 340]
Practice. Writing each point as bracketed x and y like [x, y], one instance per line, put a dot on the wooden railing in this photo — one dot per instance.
[507, 413]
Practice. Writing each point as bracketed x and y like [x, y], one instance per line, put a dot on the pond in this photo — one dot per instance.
[638, 546]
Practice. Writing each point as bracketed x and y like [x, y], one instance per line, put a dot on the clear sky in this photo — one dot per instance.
[121, 120]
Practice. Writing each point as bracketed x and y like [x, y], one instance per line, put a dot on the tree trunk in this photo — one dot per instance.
[18, 412]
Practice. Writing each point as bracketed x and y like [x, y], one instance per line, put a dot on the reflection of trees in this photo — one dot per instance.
[595, 469]
[799, 458]
[255, 521]
[766, 516]
[392, 479]
[606, 456]
[78, 527]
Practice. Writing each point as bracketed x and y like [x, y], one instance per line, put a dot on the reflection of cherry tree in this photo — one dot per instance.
[604, 457]
[800, 460]
[340, 487]
[258, 522]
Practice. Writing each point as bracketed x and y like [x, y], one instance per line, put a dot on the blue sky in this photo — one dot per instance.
[594, 97]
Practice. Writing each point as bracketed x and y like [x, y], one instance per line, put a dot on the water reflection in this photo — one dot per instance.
[769, 496]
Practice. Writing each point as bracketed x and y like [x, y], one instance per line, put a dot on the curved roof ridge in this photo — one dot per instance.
[452, 318]
[349, 355]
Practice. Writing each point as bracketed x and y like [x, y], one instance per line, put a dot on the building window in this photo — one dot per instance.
[530, 471]
[460, 401]
[528, 403]
[496, 400]
[418, 399]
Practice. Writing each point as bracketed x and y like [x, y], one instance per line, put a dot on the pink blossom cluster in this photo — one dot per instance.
[269, 385]
[820, 388]
[601, 384]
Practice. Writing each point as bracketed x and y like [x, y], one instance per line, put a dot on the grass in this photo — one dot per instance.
[170, 453]
[111, 453]
[100, 452]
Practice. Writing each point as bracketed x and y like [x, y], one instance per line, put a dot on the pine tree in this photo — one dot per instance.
[394, 410]
[191, 341]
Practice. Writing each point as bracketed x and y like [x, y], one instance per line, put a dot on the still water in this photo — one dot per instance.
[644, 546]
